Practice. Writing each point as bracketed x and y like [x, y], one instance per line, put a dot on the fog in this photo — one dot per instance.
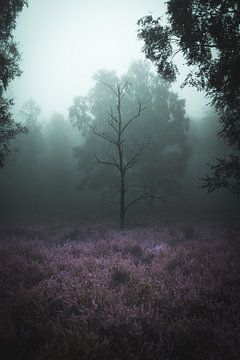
[63, 43]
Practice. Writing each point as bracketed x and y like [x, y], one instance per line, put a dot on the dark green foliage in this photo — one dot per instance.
[226, 173]
[9, 69]
[8, 128]
[208, 35]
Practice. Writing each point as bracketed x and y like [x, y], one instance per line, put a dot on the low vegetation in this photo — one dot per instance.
[85, 291]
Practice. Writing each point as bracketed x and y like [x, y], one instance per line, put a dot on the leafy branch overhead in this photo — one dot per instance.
[9, 69]
[226, 174]
[207, 33]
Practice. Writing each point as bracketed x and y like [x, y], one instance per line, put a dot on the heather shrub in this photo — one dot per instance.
[133, 250]
[104, 299]
[119, 275]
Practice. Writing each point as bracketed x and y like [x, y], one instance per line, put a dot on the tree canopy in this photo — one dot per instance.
[207, 33]
[9, 69]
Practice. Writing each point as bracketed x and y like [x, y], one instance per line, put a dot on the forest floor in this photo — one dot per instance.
[155, 291]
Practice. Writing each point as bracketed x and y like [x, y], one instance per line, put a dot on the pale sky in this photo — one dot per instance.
[63, 43]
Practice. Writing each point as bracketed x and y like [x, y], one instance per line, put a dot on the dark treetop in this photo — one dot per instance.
[207, 33]
[9, 69]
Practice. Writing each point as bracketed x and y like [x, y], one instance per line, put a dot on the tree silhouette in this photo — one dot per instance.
[118, 155]
[119, 158]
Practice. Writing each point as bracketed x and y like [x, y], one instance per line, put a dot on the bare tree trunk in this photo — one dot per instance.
[120, 159]
[122, 202]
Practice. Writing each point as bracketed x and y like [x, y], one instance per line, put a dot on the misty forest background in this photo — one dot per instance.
[53, 171]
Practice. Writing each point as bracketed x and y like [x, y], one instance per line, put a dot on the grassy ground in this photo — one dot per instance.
[89, 291]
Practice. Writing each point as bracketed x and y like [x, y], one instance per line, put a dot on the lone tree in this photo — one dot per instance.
[118, 156]
[9, 69]
[207, 33]
[154, 143]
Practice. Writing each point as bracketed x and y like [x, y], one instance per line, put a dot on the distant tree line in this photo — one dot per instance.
[72, 167]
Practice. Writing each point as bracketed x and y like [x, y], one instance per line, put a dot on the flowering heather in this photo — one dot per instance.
[85, 291]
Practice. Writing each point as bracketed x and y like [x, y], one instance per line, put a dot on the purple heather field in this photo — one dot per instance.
[156, 290]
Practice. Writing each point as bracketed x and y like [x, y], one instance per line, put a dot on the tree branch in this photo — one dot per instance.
[123, 91]
[111, 115]
[140, 110]
[145, 197]
[105, 136]
[106, 162]
[110, 87]
[135, 157]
